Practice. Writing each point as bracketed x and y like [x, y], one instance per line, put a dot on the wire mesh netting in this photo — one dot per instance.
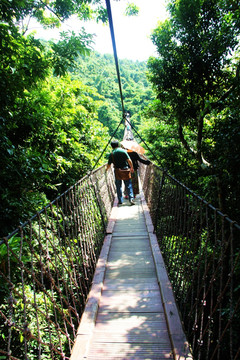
[46, 269]
[47, 265]
[200, 246]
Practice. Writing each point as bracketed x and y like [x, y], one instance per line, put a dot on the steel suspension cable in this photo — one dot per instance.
[118, 76]
[120, 122]
[124, 117]
[140, 137]
[115, 52]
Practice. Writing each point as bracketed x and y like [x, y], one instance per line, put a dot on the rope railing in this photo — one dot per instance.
[200, 246]
[46, 269]
[47, 265]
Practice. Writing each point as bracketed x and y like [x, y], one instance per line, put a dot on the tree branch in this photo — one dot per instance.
[196, 154]
[184, 142]
[51, 10]
[206, 110]
[218, 103]
[199, 139]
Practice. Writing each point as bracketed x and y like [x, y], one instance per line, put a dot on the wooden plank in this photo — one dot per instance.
[131, 317]
[127, 301]
[116, 274]
[130, 234]
[136, 256]
[131, 237]
[139, 218]
[133, 336]
[129, 245]
[149, 327]
[116, 260]
[131, 283]
[120, 318]
[129, 351]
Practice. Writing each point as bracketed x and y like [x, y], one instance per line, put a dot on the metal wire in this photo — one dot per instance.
[124, 114]
[47, 266]
[109, 11]
[46, 269]
[200, 246]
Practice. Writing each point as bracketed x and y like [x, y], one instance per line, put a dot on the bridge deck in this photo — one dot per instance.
[131, 312]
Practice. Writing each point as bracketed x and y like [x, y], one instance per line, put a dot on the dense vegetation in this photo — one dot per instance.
[99, 72]
[60, 104]
[59, 107]
[193, 125]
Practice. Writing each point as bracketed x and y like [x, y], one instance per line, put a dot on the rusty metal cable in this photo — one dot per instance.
[48, 269]
[200, 246]
[109, 11]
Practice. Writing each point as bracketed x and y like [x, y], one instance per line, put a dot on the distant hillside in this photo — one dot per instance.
[99, 72]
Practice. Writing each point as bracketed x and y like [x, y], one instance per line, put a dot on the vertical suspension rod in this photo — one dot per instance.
[115, 52]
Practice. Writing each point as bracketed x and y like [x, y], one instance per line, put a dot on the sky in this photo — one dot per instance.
[132, 34]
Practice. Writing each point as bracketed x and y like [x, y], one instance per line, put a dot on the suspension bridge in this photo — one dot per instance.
[83, 252]
[86, 279]
[131, 311]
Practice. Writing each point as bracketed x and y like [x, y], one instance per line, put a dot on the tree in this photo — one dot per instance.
[49, 13]
[57, 142]
[195, 75]
[51, 120]
[99, 72]
[48, 139]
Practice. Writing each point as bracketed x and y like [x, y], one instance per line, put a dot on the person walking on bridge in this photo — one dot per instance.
[121, 160]
[135, 157]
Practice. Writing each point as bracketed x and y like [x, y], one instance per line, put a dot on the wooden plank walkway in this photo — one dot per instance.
[130, 313]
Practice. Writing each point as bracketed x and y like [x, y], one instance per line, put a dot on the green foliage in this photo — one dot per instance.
[49, 128]
[49, 265]
[131, 9]
[99, 72]
[162, 140]
[196, 79]
[54, 142]
[48, 12]
[49, 122]
[22, 64]
[67, 49]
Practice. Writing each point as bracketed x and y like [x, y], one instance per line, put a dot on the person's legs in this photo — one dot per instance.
[128, 186]
[135, 183]
[119, 190]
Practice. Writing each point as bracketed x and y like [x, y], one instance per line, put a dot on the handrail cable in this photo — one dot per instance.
[119, 80]
[154, 155]
[121, 94]
[120, 122]
[115, 52]
[118, 76]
